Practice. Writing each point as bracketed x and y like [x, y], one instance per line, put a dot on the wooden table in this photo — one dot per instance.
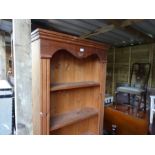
[127, 119]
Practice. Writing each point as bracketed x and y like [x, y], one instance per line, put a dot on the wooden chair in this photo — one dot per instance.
[137, 87]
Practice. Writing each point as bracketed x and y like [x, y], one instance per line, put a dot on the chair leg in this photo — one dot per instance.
[133, 100]
[139, 102]
[144, 101]
[129, 99]
[116, 98]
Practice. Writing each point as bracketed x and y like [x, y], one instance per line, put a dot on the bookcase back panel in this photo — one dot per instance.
[67, 68]
[87, 126]
[64, 101]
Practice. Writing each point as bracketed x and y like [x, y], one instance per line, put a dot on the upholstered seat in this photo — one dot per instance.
[131, 90]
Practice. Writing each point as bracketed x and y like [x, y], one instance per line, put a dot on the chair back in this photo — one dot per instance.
[140, 75]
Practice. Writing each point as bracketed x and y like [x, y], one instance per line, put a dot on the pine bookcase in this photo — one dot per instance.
[68, 84]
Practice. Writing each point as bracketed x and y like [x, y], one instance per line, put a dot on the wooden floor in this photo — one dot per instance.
[127, 120]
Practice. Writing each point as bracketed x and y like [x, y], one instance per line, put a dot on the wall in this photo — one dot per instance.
[22, 75]
[8, 54]
[120, 61]
[2, 56]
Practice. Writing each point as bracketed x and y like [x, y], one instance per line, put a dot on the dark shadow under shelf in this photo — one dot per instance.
[68, 118]
[65, 86]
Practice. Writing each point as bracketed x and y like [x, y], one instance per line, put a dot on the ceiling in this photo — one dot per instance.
[116, 32]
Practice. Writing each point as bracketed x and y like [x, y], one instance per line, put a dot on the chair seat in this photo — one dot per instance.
[130, 90]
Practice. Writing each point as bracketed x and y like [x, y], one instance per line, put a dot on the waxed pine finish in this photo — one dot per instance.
[68, 84]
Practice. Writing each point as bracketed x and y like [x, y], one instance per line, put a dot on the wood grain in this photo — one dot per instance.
[72, 77]
[65, 86]
[79, 128]
[48, 95]
[128, 121]
[68, 118]
[88, 133]
[44, 99]
[51, 42]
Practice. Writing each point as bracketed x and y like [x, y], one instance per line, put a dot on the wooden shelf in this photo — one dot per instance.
[88, 133]
[68, 118]
[65, 86]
